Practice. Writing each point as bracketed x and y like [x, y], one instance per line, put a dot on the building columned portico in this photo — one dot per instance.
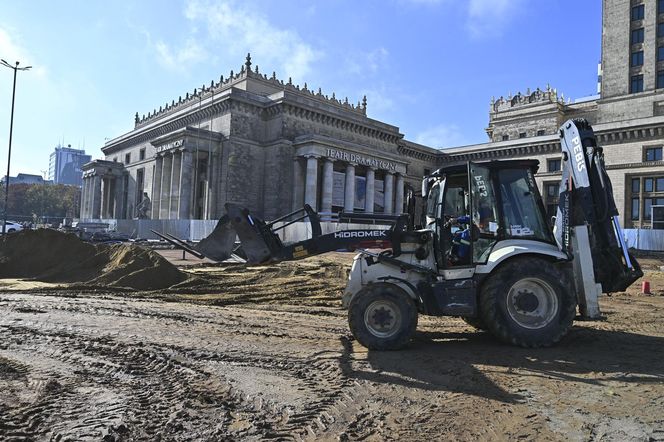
[350, 178]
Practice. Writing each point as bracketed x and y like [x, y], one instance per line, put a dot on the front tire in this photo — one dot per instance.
[529, 302]
[382, 317]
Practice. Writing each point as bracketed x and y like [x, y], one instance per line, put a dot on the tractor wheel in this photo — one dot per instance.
[382, 317]
[478, 323]
[11, 230]
[529, 302]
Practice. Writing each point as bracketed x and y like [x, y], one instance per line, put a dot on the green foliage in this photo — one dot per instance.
[26, 200]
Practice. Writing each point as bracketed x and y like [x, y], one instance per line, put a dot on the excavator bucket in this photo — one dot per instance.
[218, 245]
[258, 242]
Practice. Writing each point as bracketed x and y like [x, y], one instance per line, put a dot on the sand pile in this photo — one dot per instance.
[52, 256]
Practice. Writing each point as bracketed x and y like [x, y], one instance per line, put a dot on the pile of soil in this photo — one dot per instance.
[52, 256]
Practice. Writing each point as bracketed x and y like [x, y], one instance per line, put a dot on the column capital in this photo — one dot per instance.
[310, 155]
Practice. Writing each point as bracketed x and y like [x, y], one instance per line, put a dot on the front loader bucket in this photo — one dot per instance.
[219, 244]
[259, 243]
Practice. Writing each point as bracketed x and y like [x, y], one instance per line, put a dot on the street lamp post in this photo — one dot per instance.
[9, 154]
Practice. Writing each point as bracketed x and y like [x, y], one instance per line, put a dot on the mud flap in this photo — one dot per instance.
[219, 244]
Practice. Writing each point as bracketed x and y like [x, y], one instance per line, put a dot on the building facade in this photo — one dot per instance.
[627, 115]
[273, 146]
[257, 141]
[65, 165]
[25, 178]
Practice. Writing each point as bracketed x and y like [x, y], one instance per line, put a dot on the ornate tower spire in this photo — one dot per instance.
[364, 103]
[247, 63]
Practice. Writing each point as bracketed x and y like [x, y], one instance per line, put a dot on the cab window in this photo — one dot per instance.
[522, 215]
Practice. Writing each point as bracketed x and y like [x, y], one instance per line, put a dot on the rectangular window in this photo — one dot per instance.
[653, 154]
[637, 36]
[636, 84]
[127, 158]
[140, 176]
[540, 132]
[647, 208]
[660, 30]
[551, 190]
[660, 53]
[635, 209]
[660, 79]
[660, 6]
[141, 154]
[506, 137]
[553, 165]
[638, 12]
[637, 59]
[636, 185]
[522, 135]
[659, 184]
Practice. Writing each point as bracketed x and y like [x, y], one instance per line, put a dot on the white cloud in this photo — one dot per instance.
[363, 63]
[12, 51]
[237, 29]
[442, 135]
[488, 17]
[190, 53]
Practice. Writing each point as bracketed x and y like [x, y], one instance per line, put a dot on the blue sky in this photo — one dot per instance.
[429, 67]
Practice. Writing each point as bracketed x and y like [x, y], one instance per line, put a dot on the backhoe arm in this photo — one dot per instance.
[586, 199]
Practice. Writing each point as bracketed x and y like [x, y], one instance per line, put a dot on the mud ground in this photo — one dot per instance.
[256, 353]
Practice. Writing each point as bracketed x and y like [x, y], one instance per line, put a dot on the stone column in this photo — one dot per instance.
[90, 196]
[119, 183]
[370, 191]
[398, 197]
[311, 188]
[164, 197]
[298, 184]
[96, 203]
[104, 198]
[213, 182]
[175, 186]
[326, 192]
[389, 195]
[84, 191]
[349, 189]
[87, 201]
[156, 187]
[186, 185]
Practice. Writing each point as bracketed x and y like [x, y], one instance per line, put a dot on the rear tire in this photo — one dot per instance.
[382, 317]
[529, 302]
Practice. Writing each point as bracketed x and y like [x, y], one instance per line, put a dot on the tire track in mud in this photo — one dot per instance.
[158, 387]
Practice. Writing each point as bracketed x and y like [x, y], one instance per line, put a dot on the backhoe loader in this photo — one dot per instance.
[484, 251]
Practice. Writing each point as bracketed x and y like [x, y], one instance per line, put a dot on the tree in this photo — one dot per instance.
[43, 200]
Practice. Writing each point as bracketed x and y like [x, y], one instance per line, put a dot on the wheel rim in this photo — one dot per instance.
[532, 303]
[382, 318]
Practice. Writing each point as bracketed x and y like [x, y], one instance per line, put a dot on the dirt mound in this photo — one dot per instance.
[52, 256]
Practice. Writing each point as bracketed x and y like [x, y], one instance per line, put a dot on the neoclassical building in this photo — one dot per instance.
[258, 141]
[272, 146]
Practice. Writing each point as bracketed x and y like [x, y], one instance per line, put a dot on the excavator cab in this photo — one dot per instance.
[473, 206]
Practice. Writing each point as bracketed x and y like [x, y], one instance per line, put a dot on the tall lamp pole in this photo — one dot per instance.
[9, 154]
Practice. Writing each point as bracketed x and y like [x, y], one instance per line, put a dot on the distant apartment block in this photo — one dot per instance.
[64, 165]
